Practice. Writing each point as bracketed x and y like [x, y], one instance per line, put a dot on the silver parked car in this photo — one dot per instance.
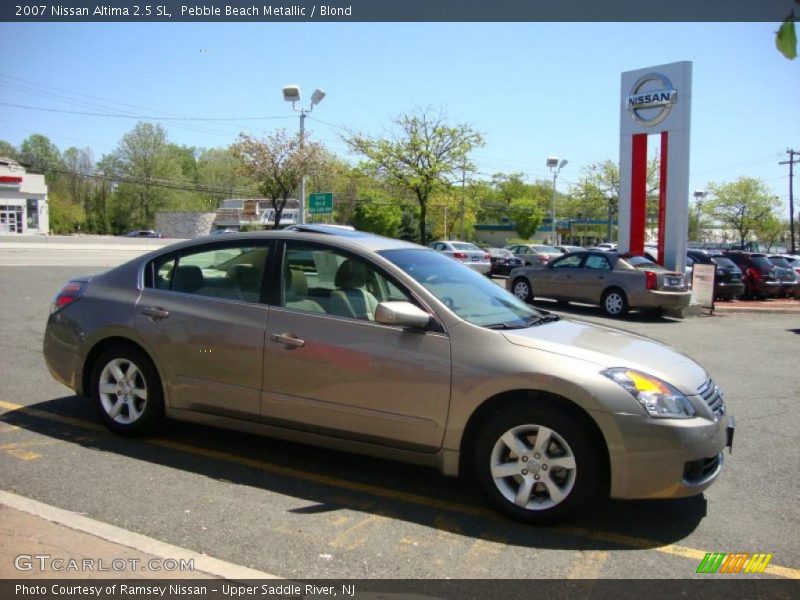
[617, 283]
[372, 345]
[469, 254]
[534, 254]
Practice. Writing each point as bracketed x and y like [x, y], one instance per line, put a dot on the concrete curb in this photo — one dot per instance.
[203, 563]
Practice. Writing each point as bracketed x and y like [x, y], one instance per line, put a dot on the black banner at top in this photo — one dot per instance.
[396, 10]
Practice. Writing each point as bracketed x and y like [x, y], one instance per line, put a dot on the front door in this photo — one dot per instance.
[200, 315]
[331, 369]
[556, 280]
[592, 279]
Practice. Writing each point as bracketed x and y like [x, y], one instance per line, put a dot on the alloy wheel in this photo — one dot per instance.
[533, 467]
[123, 391]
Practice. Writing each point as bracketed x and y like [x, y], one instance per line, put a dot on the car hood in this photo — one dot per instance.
[609, 347]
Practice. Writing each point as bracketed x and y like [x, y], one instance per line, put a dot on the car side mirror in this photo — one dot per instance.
[401, 314]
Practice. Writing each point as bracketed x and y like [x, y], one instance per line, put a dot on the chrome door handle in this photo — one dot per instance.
[155, 313]
[287, 340]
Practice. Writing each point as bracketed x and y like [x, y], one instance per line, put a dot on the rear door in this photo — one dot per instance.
[202, 319]
[331, 373]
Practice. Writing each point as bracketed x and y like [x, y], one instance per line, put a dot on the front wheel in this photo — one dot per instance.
[522, 289]
[615, 303]
[536, 464]
[126, 390]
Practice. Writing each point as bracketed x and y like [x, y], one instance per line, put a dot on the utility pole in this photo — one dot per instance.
[463, 198]
[791, 162]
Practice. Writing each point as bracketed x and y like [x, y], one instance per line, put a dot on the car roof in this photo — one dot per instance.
[321, 233]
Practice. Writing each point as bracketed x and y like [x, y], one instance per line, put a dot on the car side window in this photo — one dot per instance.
[231, 272]
[597, 262]
[568, 262]
[328, 281]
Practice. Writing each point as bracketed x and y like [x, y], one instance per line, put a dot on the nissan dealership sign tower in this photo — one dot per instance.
[656, 100]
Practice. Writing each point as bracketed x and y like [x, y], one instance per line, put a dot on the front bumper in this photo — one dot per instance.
[725, 289]
[665, 458]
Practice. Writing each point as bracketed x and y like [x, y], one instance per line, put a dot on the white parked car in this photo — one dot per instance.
[469, 254]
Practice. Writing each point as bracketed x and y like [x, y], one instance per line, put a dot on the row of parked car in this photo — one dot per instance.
[618, 283]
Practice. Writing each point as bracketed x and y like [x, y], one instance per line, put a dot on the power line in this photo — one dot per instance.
[147, 117]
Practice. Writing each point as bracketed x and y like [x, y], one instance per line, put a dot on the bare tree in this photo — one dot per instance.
[277, 163]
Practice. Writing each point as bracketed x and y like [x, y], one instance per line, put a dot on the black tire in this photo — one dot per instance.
[521, 288]
[578, 485]
[134, 415]
[614, 303]
[564, 303]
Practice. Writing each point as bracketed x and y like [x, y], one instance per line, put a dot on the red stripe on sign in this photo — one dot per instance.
[10, 179]
[662, 196]
[638, 192]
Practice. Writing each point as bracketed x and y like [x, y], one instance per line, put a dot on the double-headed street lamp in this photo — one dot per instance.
[555, 167]
[291, 93]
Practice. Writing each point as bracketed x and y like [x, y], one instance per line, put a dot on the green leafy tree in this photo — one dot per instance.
[8, 150]
[277, 164]
[742, 205]
[377, 215]
[772, 230]
[526, 214]
[423, 154]
[39, 154]
[786, 38]
[150, 175]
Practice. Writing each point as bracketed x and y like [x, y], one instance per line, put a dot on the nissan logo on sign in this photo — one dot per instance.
[651, 99]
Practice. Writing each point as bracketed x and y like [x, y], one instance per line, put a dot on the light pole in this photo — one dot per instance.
[291, 93]
[699, 195]
[555, 167]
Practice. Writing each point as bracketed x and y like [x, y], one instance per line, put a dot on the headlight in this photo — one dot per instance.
[659, 399]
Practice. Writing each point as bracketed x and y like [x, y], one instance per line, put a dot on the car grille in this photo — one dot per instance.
[712, 396]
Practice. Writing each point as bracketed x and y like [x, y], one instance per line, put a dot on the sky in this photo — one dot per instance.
[533, 89]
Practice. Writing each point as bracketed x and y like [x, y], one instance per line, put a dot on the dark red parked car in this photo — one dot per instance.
[759, 274]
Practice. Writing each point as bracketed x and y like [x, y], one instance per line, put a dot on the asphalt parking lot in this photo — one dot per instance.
[298, 511]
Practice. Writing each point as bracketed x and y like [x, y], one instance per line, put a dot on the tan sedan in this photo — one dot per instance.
[376, 346]
[614, 282]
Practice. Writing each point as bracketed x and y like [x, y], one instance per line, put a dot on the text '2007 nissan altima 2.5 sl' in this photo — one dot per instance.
[367, 344]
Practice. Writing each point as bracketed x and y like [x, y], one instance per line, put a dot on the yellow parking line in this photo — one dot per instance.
[446, 505]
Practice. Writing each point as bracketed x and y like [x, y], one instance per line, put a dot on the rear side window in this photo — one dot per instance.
[232, 273]
[595, 261]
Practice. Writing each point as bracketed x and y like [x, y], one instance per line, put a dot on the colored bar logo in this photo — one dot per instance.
[718, 562]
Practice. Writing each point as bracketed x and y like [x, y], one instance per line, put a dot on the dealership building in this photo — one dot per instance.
[23, 200]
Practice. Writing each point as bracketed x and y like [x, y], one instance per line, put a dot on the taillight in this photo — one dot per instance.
[651, 280]
[486, 257]
[460, 255]
[68, 294]
[755, 274]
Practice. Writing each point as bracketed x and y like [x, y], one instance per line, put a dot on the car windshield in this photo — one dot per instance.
[546, 249]
[464, 246]
[724, 262]
[779, 261]
[640, 262]
[470, 295]
[762, 262]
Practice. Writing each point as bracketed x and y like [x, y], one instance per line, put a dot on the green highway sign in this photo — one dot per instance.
[320, 204]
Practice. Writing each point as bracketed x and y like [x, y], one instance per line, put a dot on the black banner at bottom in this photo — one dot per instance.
[394, 589]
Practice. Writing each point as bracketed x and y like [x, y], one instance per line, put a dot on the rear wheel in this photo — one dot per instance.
[536, 464]
[522, 289]
[615, 303]
[126, 390]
